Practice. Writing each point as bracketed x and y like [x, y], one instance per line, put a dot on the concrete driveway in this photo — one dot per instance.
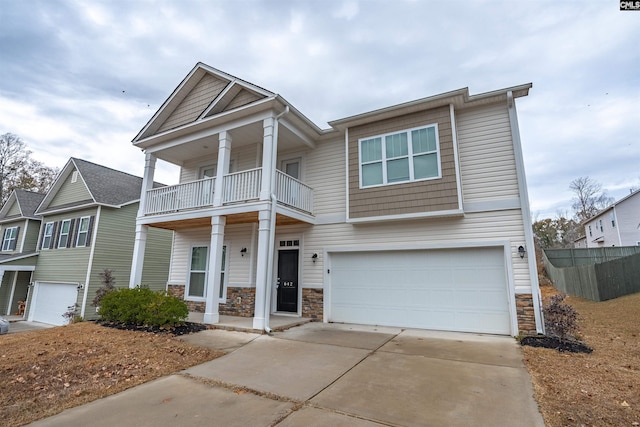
[330, 374]
[25, 326]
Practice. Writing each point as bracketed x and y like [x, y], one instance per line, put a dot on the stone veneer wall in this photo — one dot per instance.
[312, 303]
[242, 307]
[240, 302]
[525, 314]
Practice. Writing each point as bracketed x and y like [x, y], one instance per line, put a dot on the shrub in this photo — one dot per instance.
[142, 306]
[560, 319]
[108, 285]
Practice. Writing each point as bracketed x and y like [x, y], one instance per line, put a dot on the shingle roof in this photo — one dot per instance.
[28, 201]
[108, 186]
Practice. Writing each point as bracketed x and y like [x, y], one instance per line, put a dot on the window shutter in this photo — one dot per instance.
[42, 227]
[74, 231]
[4, 236]
[90, 231]
[53, 243]
[70, 236]
[15, 241]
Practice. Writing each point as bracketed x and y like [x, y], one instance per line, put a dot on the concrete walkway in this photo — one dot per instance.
[330, 374]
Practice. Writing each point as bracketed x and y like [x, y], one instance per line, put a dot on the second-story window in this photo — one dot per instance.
[65, 227]
[47, 236]
[613, 220]
[406, 156]
[600, 225]
[83, 231]
[10, 238]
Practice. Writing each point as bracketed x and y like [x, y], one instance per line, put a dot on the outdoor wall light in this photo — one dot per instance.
[521, 251]
[314, 257]
[80, 286]
[243, 251]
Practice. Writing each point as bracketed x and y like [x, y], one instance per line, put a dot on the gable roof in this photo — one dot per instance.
[204, 92]
[106, 186]
[611, 206]
[27, 202]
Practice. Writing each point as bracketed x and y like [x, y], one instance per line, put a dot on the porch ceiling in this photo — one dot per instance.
[241, 218]
[207, 146]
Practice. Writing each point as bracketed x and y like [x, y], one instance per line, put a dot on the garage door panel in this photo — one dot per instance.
[453, 289]
[52, 301]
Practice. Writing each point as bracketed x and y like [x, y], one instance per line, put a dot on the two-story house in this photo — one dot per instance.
[413, 215]
[19, 227]
[82, 226]
[617, 225]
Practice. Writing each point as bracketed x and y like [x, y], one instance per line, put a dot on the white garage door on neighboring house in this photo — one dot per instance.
[51, 301]
[441, 289]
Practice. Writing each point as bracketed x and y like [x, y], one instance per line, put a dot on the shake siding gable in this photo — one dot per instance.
[487, 161]
[70, 192]
[414, 197]
[195, 102]
[243, 98]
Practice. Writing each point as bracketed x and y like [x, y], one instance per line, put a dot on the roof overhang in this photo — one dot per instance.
[459, 98]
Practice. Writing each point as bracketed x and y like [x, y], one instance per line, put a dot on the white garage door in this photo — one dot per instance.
[453, 289]
[52, 300]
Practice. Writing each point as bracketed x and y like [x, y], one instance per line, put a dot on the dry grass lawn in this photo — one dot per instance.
[46, 371]
[597, 389]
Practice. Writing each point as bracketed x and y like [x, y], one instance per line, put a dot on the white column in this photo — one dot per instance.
[224, 157]
[262, 281]
[268, 158]
[211, 314]
[140, 241]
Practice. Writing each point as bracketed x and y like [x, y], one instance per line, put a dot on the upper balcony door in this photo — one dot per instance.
[292, 167]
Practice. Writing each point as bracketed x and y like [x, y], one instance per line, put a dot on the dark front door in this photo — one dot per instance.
[287, 281]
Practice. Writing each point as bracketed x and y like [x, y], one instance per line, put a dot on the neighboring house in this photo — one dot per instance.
[617, 225]
[580, 242]
[19, 227]
[88, 222]
[414, 215]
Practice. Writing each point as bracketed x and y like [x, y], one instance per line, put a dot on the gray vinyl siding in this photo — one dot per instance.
[5, 291]
[70, 192]
[157, 256]
[113, 251]
[628, 213]
[31, 238]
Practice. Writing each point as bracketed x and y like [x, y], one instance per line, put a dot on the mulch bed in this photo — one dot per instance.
[186, 328]
[556, 344]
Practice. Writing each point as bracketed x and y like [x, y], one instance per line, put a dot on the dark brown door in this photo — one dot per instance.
[287, 299]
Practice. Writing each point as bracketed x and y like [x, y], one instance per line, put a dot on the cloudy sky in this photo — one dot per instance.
[81, 78]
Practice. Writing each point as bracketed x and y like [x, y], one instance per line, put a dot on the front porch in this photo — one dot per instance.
[245, 324]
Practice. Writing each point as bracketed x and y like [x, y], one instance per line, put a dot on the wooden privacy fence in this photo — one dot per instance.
[598, 274]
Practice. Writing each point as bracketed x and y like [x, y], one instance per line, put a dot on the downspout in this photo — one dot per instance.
[272, 229]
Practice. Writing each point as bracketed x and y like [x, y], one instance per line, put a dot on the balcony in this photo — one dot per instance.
[236, 188]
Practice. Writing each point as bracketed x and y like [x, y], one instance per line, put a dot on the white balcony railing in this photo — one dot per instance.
[173, 198]
[236, 187]
[242, 186]
[291, 192]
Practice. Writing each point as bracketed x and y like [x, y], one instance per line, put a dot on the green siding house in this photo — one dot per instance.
[88, 221]
[19, 227]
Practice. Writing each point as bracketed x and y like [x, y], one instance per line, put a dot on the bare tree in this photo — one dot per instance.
[589, 198]
[19, 170]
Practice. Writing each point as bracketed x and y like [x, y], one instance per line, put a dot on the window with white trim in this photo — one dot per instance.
[197, 286]
[406, 156]
[600, 225]
[9, 238]
[65, 228]
[83, 231]
[613, 219]
[47, 236]
[590, 232]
